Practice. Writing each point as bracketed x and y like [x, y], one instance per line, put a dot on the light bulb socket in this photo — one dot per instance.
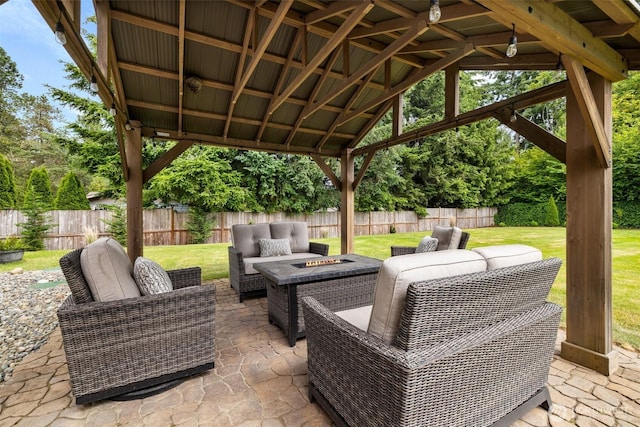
[61, 37]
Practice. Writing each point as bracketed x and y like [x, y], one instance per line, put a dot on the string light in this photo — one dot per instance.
[113, 110]
[61, 38]
[512, 49]
[434, 11]
[94, 84]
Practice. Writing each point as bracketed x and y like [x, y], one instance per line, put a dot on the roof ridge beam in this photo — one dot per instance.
[414, 78]
[418, 27]
[558, 30]
[335, 40]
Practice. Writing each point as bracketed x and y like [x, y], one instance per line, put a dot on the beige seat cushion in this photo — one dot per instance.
[501, 256]
[108, 271]
[358, 317]
[397, 273]
[448, 237]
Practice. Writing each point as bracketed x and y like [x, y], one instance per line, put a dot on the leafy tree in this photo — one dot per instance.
[202, 180]
[8, 193]
[538, 177]
[552, 219]
[38, 191]
[71, 194]
[626, 139]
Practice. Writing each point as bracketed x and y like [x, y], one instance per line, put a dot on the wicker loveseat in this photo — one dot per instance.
[137, 346]
[246, 251]
[467, 350]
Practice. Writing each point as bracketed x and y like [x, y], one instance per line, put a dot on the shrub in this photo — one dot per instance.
[11, 243]
[199, 225]
[526, 214]
[117, 225]
[71, 194]
[626, 214]
[8, 193]
[551, 214]
[421, 211]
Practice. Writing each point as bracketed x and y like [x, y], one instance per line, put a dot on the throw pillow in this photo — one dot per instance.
[427, 244]
[274, 247]
[150, 277]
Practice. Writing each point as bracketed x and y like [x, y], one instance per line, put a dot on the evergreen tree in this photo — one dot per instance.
[35, 229]
[199, 225]
[117, 226]
[552, 219]
[38, 190]
[7, 184]
[71, 194]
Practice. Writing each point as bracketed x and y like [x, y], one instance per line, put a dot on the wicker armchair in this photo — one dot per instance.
[473, 350]
[404, 250]
[135, 346]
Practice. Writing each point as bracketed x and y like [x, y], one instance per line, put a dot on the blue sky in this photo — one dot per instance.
[30, 43]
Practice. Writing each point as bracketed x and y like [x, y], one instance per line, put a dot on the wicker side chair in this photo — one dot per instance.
[404, 250]
[473, 349]
[135, 347]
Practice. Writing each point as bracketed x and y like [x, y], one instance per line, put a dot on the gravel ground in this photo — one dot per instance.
[28, 304]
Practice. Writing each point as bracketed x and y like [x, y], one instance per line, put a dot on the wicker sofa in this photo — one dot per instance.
[466, 349]
[448, 238]
[134, 347]
[246, 251]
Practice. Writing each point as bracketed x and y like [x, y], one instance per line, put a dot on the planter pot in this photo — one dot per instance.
[11, 256]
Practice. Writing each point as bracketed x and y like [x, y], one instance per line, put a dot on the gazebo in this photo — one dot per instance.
[312, 77]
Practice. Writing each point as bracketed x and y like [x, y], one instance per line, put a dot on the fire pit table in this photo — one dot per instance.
[339, 282]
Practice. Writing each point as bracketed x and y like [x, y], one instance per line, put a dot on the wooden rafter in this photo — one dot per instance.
[417, 76]
[334, 9]
[347, 107]
[382, 110]
[314, 93]
[620, 13]
[281, 79]
[588, 108]
[518, 102]
[181, 24]
[237, 88]
[333, 42]
[363, 169]
[560, 32]
[218, 116]
[419, 26]
[327, 171]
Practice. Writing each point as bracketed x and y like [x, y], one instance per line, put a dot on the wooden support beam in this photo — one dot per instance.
[328, 47]
[363, 169]
[259, 51]
[589, 247]
[334, 9]
[165, 160]
[103, 24]
[620, 13]
[181, 27]
[582, 91]
[398, 115]
[248, 31]
[534, 133]
[414, 78]
[376, 118]
[416, 29]
[135, 241]
[452, 91]
[560, 32]
[537, 96]
[327, 171]
[347, 203]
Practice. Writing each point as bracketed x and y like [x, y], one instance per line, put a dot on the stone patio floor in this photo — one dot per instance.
[260, 381]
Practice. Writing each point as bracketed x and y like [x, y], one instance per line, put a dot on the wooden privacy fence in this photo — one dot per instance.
[168, 227]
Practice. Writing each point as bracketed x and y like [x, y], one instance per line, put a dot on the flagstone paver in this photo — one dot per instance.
[260, 381]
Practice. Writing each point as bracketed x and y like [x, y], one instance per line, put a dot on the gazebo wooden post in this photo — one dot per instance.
[589, 222]
[347, 205]
[133, 141]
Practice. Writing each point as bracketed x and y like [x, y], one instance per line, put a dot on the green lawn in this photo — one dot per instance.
[626, 263]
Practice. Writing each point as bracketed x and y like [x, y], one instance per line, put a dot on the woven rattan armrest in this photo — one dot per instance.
[402, 250]
[319, 248]
[185, 277]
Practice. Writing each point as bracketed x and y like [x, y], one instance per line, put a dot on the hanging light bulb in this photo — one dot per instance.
[434, 11]
[512, 49]
[513, 117]
[127, 126]
[113, 110]
[94, 84]
[60, 36]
